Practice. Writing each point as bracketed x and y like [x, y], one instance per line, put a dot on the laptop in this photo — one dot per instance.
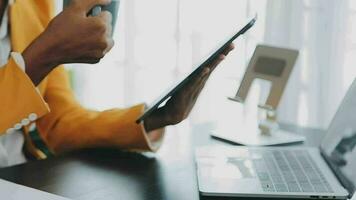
[327, 172]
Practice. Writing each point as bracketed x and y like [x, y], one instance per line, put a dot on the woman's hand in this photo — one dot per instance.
[180, 104]
[71, 37]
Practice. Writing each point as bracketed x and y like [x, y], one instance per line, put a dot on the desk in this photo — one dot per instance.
[110, 174]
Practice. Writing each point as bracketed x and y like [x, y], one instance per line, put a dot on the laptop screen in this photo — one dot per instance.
[339, 144]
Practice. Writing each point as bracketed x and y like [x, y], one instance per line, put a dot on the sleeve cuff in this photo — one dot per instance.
[17, 86]
[19, 60]
[141, 140]
[153, 138]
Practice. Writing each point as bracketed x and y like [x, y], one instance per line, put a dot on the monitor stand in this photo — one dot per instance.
[243, 137]
[251, 131]
[271, 66]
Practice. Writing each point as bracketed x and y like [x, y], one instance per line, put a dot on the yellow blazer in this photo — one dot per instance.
[62, 124]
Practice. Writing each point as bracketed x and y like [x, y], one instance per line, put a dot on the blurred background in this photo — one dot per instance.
[158, 41]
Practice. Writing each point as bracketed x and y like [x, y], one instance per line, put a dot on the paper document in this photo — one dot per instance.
[12, 191]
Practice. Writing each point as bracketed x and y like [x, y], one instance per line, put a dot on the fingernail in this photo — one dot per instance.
[222, 57]
[206, 71]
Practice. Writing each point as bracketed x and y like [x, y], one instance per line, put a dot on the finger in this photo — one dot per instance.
[194, 96]
[197, 85]
[87, 5]
[106, 18]
[186, 97]
[202, 83]
[205, 72]
[111, 44]
[205, 75]
[216, 62]
[109, 31]
[228, 49]
[197, 82]
[187, 91]
[200, 87]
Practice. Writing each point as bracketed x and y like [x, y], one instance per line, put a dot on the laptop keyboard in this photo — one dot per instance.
[289, 171]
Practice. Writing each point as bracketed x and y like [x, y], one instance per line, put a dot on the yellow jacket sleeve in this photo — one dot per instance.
[69, 126]
[62, 123]
[19, 98]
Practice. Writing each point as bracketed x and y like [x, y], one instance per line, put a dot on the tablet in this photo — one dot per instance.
[156, 104]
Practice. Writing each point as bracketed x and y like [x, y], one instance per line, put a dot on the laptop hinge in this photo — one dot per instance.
[348, 185]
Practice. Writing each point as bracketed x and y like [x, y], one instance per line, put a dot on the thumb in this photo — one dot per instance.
[87, 5]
